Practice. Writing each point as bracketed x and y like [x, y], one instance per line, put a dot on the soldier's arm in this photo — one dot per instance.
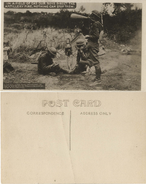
[101, 32]
[42, 65]
[49, 66]
[78, 58]
[83, 55]
[96, 30]
[101, 36]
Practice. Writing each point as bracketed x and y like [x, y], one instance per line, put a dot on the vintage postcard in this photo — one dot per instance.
[73, 138]
[73, 93]
[76, 45]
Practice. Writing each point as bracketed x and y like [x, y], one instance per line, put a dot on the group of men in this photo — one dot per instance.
[87, 53]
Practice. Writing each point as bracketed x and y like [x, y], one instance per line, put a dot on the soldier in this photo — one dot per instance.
[46, 64]
[82, 57]
[93, 45]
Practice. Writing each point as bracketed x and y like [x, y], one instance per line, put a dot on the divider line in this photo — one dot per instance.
[70, 132]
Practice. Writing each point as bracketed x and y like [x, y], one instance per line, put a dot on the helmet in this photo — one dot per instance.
[80, 42]
[95, 15]
[68, 46]
[52, 50]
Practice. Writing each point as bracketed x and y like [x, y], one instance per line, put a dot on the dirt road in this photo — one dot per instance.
[122, 72]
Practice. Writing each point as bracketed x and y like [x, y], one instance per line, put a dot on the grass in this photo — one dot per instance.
[123, 71]
[26, 41]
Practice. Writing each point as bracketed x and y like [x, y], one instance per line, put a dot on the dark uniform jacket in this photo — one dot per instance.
[95, 30]
[44, 63]
[82, 59]
[82, 54]
[93, 46]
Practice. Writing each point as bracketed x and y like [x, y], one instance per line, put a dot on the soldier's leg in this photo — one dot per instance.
[95, 61]
[98, 71]
[82, 67]
[58, 69]
[97, 80]
[63, 71]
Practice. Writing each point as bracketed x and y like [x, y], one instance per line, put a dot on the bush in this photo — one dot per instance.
[123, 25]
[120, 27]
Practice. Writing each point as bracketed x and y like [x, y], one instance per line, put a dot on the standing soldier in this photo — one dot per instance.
[93, 45]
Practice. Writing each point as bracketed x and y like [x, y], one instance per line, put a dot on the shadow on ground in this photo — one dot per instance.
[123, 72]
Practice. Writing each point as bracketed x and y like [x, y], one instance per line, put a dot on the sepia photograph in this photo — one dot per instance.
[72, 46]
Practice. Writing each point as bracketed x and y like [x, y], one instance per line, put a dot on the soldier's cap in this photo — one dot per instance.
[68, 46]
[80, 42]
[52, 50]
[95, 14]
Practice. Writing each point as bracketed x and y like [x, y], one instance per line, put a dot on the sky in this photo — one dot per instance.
[89, 7]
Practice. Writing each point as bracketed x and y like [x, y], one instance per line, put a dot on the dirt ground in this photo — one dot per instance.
[121, 72]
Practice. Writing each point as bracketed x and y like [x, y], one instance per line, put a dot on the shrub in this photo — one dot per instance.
[123, 25]
[120, 27]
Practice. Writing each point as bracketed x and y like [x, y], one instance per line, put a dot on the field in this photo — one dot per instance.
[121, 69]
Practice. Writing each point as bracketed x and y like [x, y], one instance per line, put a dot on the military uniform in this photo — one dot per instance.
[93, 45]
[46, 65]
[81, 57]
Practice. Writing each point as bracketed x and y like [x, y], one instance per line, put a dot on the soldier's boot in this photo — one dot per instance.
[97, 80]
[98, 72]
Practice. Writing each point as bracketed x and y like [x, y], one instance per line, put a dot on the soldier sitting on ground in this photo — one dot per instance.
[46, 64]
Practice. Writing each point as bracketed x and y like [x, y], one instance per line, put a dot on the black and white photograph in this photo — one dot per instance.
[73, 94]
[72, 46]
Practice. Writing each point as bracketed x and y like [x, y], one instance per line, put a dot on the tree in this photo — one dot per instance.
[28, 13]
[10, 13]
[118, 7]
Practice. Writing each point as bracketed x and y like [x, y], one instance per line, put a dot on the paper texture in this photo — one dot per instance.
[70, 137]
[73, 143]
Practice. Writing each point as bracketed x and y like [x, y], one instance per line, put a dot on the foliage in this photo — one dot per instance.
[118, 7]
[121, 26]
[26, 42]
